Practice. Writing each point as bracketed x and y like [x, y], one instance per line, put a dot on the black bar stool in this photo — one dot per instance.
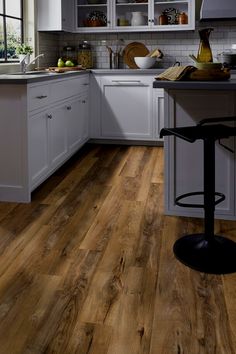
[206, 252]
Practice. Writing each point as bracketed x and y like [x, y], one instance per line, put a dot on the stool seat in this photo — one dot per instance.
[193, 133]
[206, 252]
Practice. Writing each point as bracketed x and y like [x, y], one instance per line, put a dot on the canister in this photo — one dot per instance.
[85, 55]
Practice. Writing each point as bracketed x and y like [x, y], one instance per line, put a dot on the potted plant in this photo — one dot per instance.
[23, 51]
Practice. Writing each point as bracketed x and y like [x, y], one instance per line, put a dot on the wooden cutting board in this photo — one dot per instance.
[64, 69]
[210, 75]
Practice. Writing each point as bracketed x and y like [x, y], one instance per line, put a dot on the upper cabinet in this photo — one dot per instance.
[56, 15]
[116, 15]
[134, 15]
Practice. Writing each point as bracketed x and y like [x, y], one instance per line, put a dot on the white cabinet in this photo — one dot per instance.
[78, 122]
[35, 133]
[158, 112]
[55, 15]
[118, 15]
[125, 107]
[60, 129]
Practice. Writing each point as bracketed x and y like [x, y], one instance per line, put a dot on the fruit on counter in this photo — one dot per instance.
[69, 63]
[60, 63]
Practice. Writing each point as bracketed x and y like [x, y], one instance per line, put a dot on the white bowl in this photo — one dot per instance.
[145, 62]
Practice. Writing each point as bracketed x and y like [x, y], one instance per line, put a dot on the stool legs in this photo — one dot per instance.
[207, 252]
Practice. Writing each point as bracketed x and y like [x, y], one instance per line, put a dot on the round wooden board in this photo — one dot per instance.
[134, 49]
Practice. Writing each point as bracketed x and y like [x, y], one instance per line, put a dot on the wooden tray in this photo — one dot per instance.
[134, 49]
[56, 69]
[210, 75]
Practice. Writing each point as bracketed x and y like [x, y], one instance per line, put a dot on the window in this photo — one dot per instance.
[11, 29]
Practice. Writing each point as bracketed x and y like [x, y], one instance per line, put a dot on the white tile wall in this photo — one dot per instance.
[176, 46]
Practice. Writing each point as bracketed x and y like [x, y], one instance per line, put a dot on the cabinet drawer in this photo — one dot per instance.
[38, 97]
[68, 88]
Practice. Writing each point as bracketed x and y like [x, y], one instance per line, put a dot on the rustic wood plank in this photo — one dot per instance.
[88, 266]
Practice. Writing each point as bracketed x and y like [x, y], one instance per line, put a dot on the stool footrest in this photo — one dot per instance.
[190, 205]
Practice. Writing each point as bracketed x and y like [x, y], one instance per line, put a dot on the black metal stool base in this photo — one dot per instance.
[215, 257]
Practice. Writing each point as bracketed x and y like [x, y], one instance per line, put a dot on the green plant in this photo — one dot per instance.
[24, 49]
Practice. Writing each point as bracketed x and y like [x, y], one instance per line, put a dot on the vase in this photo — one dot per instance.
[138, 19]
[25, 58]
[204, 51]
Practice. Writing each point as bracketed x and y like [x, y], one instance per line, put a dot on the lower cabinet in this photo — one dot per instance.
[126, 108]
[78, 122]
[54, 135]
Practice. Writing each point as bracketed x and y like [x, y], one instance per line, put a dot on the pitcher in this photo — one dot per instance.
[204, 52]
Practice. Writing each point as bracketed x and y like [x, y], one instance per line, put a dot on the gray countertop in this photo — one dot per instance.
[32, 78]
[196, 85]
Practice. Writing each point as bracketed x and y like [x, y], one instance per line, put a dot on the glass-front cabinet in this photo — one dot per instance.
[134, 15]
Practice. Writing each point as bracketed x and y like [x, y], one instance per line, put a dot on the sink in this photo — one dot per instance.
[33, 73]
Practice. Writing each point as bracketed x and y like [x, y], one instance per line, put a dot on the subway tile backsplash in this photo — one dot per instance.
[176, 46]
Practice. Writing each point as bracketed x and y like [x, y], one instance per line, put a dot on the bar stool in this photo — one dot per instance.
[206, 252]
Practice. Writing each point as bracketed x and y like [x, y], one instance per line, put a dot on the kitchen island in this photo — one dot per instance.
[185, 104]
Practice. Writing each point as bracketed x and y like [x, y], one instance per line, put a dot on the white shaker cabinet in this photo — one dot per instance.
[55, 15]
[124, 107]
[42, 125]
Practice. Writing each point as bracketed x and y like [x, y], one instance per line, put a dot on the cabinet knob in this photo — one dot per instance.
[68, 108]
[41, 97]
[49, 116]
[149, 20]
[83, 101]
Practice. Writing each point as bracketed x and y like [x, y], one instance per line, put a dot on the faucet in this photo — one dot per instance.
[23, 64]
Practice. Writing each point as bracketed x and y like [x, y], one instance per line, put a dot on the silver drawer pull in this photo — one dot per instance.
[41, 97]
[127, 81]
[49, 116]
[68, 108]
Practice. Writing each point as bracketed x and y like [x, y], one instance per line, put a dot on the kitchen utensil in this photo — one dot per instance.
[134, 49]
[193, 58]
[145, 62]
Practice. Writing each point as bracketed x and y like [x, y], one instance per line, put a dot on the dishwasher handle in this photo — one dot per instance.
[129, 82]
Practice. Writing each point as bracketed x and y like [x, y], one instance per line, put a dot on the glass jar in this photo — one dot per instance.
[85, 55]
[69, 53]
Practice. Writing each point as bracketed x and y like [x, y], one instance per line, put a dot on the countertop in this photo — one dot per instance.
[127, 71]
[196, 85]
[32, 78]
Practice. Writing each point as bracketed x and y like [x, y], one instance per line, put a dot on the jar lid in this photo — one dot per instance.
[84, 45]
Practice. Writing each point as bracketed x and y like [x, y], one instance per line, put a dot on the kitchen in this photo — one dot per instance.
[87, 265]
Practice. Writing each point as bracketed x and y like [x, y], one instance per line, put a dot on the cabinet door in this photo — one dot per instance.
[126, 109]
[77, 122]
[158, 111]
[68, 15]
[38, 148]
[93, 16]
[55, 15]
[134, 16]
[57, 127]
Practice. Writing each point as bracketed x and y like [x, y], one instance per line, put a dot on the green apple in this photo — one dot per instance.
[69, 63]
[60, 63]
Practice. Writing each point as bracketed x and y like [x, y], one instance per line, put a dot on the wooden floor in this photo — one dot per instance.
[88, 267]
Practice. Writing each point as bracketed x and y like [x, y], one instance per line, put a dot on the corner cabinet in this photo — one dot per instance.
[55, 15]
[116, 15]
[43, 124]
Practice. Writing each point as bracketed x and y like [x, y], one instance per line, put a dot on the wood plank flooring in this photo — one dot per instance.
[88, 267]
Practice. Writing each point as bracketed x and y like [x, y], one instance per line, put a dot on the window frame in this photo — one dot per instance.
[4, 16]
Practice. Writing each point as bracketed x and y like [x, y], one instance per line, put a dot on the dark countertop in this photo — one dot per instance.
[13, 79]
[196, 85]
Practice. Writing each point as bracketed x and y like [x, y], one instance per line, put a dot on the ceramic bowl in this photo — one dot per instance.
[145, 62]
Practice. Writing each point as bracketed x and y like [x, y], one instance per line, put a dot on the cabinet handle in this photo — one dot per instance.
[49, 116]
[128, 82]
[68, 108]
[41, 97]
[83, 101]
[149, 20]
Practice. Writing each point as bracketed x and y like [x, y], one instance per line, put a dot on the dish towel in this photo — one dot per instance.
[176, 73]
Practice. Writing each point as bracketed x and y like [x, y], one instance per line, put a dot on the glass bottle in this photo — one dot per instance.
[204, 52]
[85, 55]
